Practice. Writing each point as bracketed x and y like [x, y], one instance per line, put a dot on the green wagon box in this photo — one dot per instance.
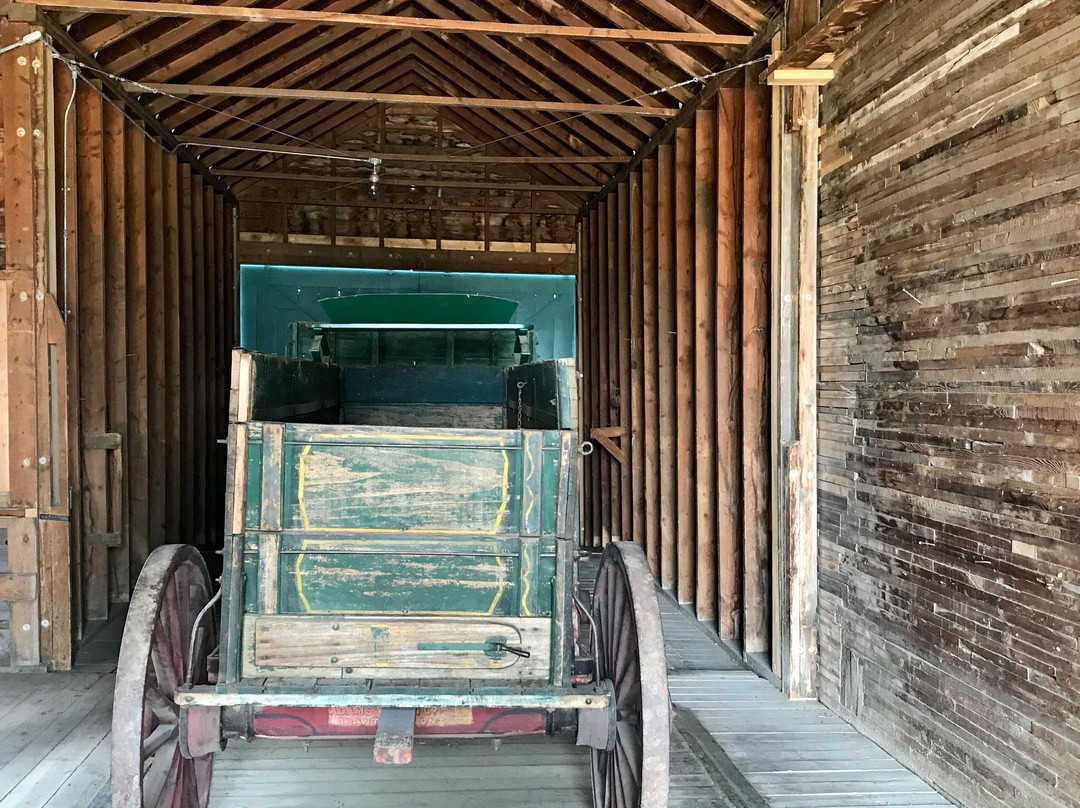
[401, 532]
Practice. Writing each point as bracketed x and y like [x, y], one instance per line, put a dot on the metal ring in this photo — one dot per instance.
[586, 448]
[521, 385]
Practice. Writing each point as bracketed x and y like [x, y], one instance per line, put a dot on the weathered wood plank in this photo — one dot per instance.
[686, 560]
[705, 363]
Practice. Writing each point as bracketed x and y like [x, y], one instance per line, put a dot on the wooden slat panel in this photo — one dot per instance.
[138, 462]
[90, 224]
[705, 366]
[116, 348]
[728, 371]
[684, 359]
[650, 430]
[637, 367]
[388, 647]
[597, 354]
[603, 365]
[173, 408]
[623, 340]
[199, 432]
[156, 384]
[665, 359]
[614, 336]
[755, 367]
[187, 327]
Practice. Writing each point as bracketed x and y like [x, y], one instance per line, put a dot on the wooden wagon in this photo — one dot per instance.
[409, 571]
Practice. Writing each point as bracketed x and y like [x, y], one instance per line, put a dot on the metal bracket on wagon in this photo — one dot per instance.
[596, 726]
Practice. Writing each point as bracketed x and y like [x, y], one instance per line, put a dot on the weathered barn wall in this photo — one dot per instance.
[119, 310]
[151, 297]
[950, 462]
[674, 352]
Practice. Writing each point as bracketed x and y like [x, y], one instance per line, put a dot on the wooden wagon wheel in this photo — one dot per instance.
[148, 770]
[630, 651]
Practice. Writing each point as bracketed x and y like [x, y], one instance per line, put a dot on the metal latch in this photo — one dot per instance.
[494, 647]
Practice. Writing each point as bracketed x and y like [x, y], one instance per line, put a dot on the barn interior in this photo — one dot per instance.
[815, 261]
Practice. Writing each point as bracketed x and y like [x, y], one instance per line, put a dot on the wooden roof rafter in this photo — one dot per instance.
[280, 14]
[564, 59]
[282, 116]
[286, 117]
[489, 119]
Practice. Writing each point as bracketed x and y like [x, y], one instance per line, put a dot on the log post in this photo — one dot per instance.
[684, 360]
[665, 361]
[755, 373]
[705, 366]
[650, 367]
[728, 372]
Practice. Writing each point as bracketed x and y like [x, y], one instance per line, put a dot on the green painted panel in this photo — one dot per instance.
[251, 580]
[418, 308]
[549, 494]
[253, 500]
[545, 584]
[313, 582]
[335, 487]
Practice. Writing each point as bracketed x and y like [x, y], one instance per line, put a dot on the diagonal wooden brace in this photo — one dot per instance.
[604, 434]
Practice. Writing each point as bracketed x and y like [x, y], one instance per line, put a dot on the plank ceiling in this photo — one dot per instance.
[432, 62]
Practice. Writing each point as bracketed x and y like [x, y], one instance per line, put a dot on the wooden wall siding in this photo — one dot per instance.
[105, 326]
[668, 244]
[408, 207]
[949, 462]
[33, 344]
[147, 416]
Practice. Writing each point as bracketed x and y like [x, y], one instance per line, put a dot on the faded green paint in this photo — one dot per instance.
[251, 579]
[401, 521]
[371, 486]
[397, 584]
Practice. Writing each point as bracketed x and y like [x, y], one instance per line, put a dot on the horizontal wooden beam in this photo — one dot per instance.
[389, 22]
[419, 183]
[435, 260]
[304, 94]
[433, 207]
[800, 77]
[827, 36]
[389, 158]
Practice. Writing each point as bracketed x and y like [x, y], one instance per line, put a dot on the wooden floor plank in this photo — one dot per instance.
[795, 754]
[66, 759]
[36, 747]
[55, 750]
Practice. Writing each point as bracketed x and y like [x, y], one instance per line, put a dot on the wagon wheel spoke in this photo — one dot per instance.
[161, 656]
[160, 777]
[161, 735]
[160, 705]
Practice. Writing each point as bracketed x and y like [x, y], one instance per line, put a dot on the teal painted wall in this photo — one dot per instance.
[271, 297]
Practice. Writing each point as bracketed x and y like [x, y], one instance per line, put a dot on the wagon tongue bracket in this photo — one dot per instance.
[596, 725]
[394, 735]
